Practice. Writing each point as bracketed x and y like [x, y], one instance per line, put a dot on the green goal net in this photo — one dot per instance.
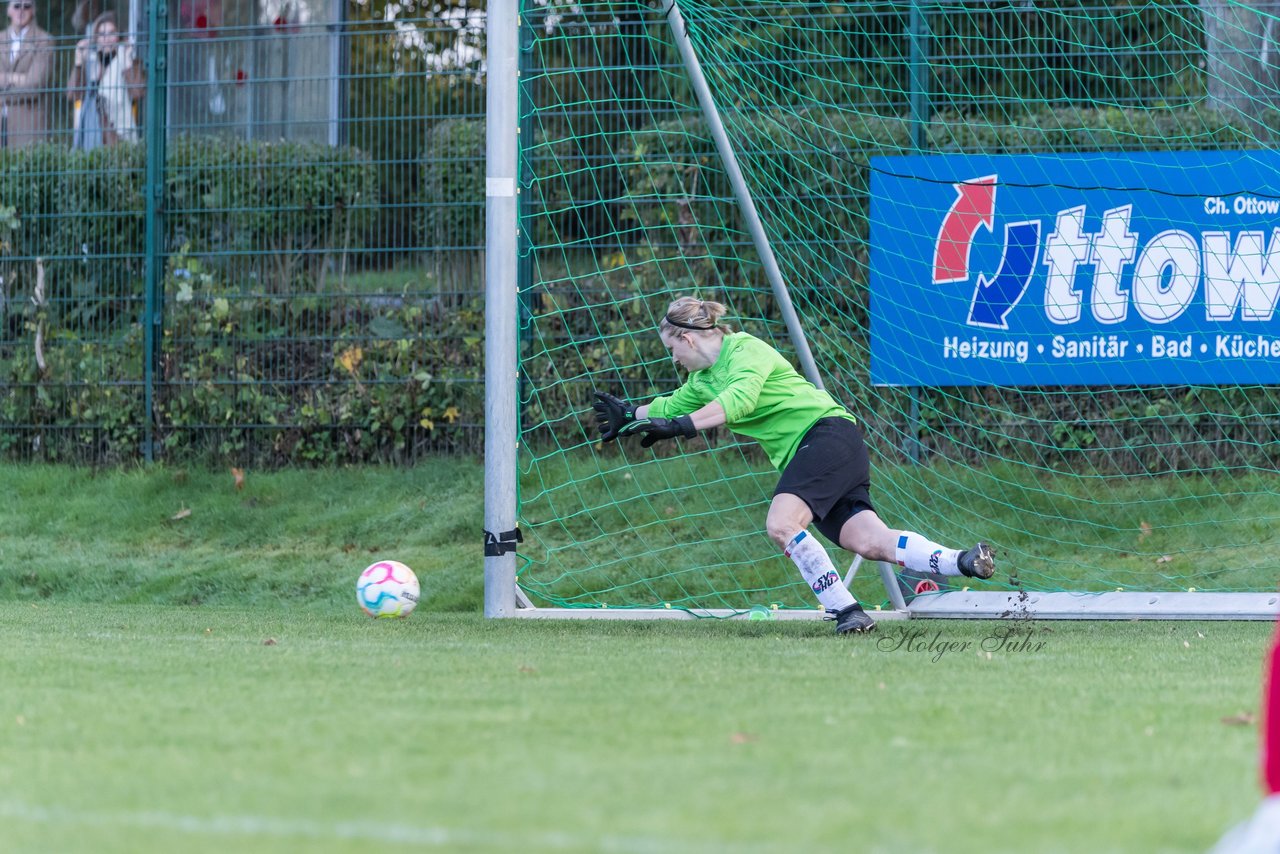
[861, 131]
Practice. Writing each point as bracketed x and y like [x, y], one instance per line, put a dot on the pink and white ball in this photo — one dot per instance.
[388, 588]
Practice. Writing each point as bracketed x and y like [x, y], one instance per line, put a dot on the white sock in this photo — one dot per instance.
[818, 571]
[922, 555]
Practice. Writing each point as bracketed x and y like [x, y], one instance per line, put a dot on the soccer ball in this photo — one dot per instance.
[388, 588]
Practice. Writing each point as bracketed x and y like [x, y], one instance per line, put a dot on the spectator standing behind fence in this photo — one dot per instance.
[106, 82]
[26, 59]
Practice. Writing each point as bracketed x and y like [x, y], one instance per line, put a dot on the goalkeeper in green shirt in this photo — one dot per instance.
[738, 380]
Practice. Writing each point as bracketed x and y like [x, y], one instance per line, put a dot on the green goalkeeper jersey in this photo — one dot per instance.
[762, 395]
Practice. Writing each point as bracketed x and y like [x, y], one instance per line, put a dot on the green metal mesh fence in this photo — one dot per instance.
[315, 276]
[311, 267]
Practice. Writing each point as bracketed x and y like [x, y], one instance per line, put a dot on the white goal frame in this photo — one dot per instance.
[502, 594]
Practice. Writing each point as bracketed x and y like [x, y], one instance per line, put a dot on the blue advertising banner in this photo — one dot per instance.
[1102, 269]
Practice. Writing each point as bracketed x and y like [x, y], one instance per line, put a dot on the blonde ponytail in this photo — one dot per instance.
[690, 314]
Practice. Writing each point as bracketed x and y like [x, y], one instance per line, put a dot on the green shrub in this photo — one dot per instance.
[261, 364]
[452, 186]
[810, 173]
[279, 211]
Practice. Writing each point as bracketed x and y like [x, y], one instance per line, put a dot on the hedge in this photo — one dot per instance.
[811, 171]
[279, 210]
[276, 372]
[255, 380]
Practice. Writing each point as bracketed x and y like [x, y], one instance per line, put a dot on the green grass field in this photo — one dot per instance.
[161, 728]
[207, 683]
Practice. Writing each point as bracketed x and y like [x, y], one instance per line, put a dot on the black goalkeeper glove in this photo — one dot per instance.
[613, 415]
[657, 429]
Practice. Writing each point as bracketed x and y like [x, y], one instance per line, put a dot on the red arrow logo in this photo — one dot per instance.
[975, 206]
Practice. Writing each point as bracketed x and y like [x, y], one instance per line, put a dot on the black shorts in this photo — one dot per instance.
[831, 472]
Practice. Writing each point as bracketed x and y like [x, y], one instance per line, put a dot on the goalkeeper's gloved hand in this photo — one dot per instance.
[657, 429]
[613, 415]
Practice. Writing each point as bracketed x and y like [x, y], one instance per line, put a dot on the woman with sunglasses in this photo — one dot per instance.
[26, 60]
[738, 380]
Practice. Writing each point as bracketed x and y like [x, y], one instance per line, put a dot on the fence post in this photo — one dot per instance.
[919, 73]
[153, 263]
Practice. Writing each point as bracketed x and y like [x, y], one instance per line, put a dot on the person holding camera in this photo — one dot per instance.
[107, 81]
